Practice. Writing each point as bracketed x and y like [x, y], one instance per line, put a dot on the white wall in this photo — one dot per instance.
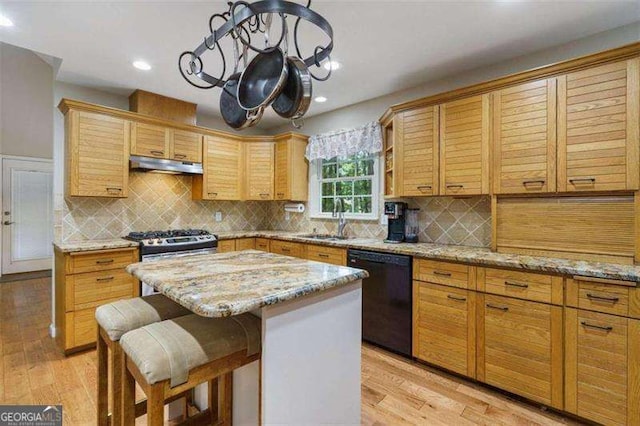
[371, 110]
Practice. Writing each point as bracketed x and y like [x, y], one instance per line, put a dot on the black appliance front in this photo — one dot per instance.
[386, 299]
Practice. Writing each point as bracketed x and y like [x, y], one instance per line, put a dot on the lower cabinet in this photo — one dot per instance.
[444, 329]
[225, 246]
[262, 244]
[288, 248]
[602, 372]
[245, 244]
[520, 347]
[333, 255]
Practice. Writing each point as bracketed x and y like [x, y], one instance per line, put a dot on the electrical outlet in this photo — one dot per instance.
[287, 216]
[218, 216]
[384, 220]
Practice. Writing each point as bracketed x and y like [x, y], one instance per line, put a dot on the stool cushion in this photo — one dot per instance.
[125, 315]
[170, 349]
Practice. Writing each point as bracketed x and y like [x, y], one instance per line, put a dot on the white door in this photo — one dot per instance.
[27, 215]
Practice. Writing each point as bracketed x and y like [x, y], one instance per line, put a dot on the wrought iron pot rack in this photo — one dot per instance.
[240, 21]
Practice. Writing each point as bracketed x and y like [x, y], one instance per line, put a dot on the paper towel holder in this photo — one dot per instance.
[294, 207]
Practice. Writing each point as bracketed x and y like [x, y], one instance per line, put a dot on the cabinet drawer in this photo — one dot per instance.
[91, 289]
[522, 285]
[245, 244]
[607, 296]
[333, 255]
[225, 246]
[262, 244]
[433, 271]
[81, 328]
[444, 328]
[288, 249]
[100, 260]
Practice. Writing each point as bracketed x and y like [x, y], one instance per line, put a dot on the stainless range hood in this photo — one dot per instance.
[149, 164]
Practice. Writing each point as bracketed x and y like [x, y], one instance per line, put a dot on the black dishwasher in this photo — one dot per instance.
[386, 299]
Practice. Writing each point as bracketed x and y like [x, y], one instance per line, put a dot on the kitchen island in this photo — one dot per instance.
[311, 330]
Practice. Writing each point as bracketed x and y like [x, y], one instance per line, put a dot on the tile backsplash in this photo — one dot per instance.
[158, 201]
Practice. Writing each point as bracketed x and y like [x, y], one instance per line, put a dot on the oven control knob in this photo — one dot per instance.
[151, 242]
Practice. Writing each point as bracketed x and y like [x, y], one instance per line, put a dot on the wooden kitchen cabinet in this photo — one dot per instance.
[222, 166]
[333, 255]
[97, 155]
[291, 168]
[262, 244]
[602, 295]
[415, 145]
[259, 170]
[524, 138]
[464, 146]
[445, 273]
[521, 285]
[245, 244]
[84, 281]
[149, 140]
[225, 246]
[185, 146]
[598, 113]
[520, 347]
[444, 328]
[288, 248]
[602, 375]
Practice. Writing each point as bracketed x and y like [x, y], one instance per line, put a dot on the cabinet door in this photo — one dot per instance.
[225, 246]
[292, 169]
[283, 175]
[97, 155]
[150, 141]
[259, 170]
[464, 146]
[524, 139]
[222, 164]
[444, 331]
[520, 347]
[416, 145]
[598, 111]
[602, 367]
[185, 146]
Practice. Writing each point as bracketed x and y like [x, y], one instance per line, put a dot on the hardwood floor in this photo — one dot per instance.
[394, 391]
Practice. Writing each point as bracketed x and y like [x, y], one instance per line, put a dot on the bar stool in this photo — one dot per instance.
[114, 320]
[174, 356]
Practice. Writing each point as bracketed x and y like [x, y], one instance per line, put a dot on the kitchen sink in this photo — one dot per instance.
[325, 237]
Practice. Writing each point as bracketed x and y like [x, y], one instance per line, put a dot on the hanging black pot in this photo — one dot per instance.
[263, 79]
[295, 98]
[232, 113]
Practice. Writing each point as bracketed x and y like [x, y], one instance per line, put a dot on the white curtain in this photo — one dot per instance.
[366, 139]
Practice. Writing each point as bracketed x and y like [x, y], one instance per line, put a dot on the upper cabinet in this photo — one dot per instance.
[222, 164]
[97, 155]
[149, 140]
[291, 168]
[598, 111]
[415, 166]
[259, 170]
[524, 138]
[464, 146]
[185, 146]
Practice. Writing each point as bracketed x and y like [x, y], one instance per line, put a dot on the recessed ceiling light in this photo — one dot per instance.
[5, 22]
[332, 65]
[321, 99]
[142, 65]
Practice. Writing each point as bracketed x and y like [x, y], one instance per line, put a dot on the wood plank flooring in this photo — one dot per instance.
[395, 391]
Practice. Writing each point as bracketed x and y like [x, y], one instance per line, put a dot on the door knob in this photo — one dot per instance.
[6, 222]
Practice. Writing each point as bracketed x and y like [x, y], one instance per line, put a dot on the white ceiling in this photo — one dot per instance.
[384, 46]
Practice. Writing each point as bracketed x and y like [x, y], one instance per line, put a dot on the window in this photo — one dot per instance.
[353, 180]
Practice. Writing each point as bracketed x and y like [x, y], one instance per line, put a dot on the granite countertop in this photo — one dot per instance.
[225, 284]
[471, 255]
[90, 245]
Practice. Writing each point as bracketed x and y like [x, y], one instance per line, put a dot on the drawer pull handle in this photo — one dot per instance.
[442, 274]
[603, 298]
[264, 195]
[179, 155]
[157, 152]
[104, 262]
[286, 249]
[104, 279]
[455, 186]
[215, 194]
[114, 189]
[323, 255]
[585, 180]
[597, 327]
[458, 298]
[500, 308]
[421, 187]
[514, 284]
[532, 182]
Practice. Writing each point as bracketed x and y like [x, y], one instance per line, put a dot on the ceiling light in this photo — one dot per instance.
[332, 65]
[5, 22]
[321, 99]
[142, 65]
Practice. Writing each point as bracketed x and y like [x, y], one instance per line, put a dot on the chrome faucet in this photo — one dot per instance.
[342, 222]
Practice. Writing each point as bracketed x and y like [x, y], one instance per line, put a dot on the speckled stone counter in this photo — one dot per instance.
[471, 255]
[92, 245]
[220, 285]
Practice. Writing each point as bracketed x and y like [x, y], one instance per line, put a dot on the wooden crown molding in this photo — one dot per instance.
[70, 104]
[546, 71]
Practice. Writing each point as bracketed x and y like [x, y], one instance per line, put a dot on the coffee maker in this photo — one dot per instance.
[395, 213]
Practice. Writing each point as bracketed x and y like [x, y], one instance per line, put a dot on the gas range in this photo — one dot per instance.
[174, 241]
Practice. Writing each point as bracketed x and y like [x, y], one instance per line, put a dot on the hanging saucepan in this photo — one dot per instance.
[265, 76]
[294, 100]
[232, 113]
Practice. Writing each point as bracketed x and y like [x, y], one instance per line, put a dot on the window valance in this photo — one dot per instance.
[365, 140]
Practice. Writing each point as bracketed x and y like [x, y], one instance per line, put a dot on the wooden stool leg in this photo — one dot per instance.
[117, 376]
[103, 381]
[213, 401]
[128, 398]
[225, 399]
[155, 405]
